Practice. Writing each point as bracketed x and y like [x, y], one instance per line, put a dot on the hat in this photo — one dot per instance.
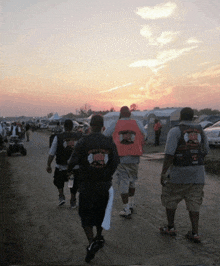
[96, 120]
[125, 112]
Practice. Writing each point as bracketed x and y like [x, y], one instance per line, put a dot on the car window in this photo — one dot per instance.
[216, 124]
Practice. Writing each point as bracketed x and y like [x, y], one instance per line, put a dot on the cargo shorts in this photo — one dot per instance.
[172, 194]
[127, 175]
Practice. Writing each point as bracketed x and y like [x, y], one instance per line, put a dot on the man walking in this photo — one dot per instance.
[62, 147]
[129, 136]
[183, 173]
[27, 129]
[98, 159]
[157, 131]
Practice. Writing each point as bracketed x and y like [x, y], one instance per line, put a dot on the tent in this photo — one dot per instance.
[110, 117]
[168, 117]
[55, 117]
[114, 116]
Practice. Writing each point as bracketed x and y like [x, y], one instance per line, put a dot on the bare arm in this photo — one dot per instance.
[168, 161]
[49, 161]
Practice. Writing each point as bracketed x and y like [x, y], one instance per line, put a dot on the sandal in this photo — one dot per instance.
[193, 237]
[166, 230]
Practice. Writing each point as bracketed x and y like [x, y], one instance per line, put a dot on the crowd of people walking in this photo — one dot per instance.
[89, 161]
[94, 158]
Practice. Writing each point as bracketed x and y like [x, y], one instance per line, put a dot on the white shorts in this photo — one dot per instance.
[127, 174]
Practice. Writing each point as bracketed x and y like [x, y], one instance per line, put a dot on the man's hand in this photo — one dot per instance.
[164, 178]
[49, 169]
[68, 175]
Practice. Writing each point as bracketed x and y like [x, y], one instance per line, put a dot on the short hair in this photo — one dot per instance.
[68, 124]
[125, 112]
[186, 113]
[96, 123]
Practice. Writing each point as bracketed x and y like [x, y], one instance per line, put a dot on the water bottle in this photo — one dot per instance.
[70, 182]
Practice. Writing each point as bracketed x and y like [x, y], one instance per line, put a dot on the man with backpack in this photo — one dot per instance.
[183, 173]
[128, 135]
[62, 147]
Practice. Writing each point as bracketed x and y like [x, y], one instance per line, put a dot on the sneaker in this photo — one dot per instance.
[61, 200]
[91, 251]
[73, 204]
[193, 237]
[165, 230]
[131, 207]
[100, 241]
[125, 213]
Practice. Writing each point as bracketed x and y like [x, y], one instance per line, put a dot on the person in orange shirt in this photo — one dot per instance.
[157, 130]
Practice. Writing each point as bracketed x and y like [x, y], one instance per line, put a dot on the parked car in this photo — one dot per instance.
[213, 134]
[211, 118]
[43, 126]
[43, 123]
[52, 125]
[205, 124]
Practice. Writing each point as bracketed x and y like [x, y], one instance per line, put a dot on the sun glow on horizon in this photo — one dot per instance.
[60, 56]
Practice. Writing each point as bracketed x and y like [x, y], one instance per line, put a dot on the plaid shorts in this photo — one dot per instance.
[127, 175]
[172, 194]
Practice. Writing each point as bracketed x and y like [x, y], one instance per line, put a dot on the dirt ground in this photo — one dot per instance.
[35, 231]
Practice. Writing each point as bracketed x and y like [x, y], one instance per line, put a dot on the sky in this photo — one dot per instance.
[58, 56]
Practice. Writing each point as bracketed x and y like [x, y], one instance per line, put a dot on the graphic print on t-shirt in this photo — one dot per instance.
[98, 158]
[127, 137]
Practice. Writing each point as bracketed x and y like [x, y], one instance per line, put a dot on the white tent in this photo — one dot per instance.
[114, 116]
[110, 117]
[168, 117]
[55, 117]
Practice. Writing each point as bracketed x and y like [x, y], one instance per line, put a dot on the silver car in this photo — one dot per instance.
[213, 134]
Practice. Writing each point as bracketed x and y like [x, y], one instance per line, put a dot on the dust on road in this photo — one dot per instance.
[44, 233]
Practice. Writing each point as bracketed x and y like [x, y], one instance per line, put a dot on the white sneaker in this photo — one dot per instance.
[125, 213]
[131, 207]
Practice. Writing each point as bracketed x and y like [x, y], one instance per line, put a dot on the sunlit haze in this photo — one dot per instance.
[58, 55]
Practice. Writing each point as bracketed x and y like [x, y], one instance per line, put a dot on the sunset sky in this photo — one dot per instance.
[57, 55]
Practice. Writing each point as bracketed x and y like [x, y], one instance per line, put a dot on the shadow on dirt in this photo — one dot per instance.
[11, 251]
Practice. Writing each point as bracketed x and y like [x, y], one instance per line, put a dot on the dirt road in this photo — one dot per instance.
[36, 231]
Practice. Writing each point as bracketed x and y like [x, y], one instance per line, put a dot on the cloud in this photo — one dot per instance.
[146, 31]
[212, 72]
[158, 11]
[162, 58]
[193, 40]
[116, 88]
[165, 37]
[137, 96]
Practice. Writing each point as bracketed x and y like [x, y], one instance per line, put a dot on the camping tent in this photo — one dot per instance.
[168, 117]
[114, 116]
[55, 117]
[110, 117]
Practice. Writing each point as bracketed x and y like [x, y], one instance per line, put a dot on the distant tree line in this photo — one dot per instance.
[86, 111]
[206, 111]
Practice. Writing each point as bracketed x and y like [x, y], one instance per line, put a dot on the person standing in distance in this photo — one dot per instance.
[157, 131]
[62, 147]
[97, 157]
[128, 135]
[27, 130]
[183, 173]
[15, 130]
